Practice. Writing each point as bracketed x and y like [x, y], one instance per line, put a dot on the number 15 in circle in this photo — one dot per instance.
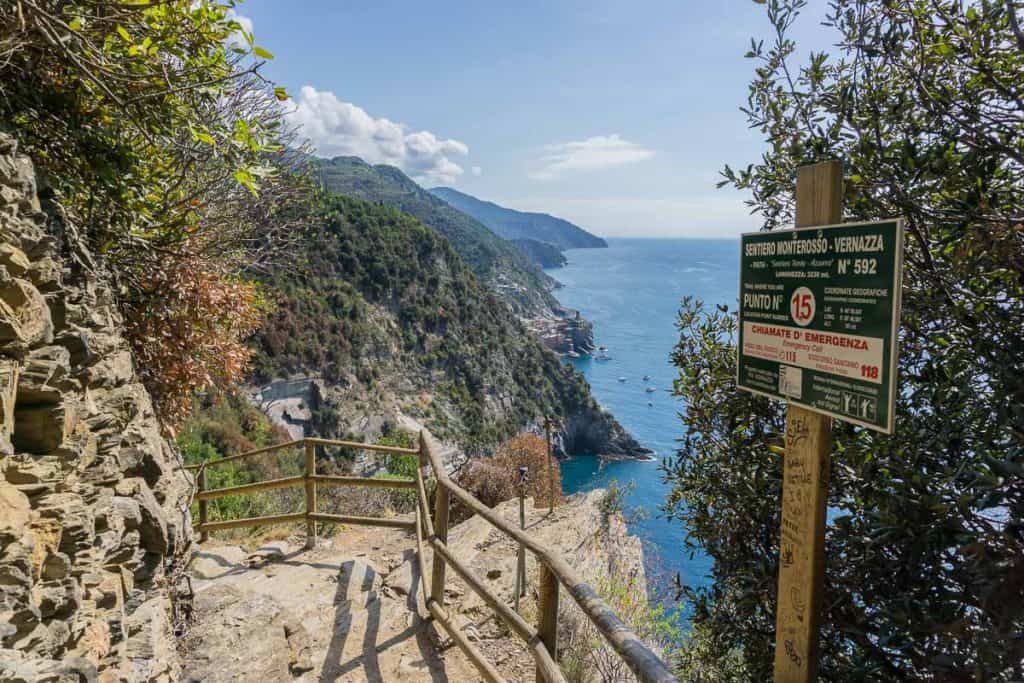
[801, 306]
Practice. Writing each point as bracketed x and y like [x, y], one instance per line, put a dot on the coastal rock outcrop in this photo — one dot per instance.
[594, 431]
[93, 516]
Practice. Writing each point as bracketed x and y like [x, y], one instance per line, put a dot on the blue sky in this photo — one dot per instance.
[615, 115]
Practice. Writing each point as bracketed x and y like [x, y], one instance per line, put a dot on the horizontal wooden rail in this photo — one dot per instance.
[362, 446]
[646, 665]
[268, 485]
[252, 521]
[378, 483]
[365, 521]
[247, 454]
[307, 440]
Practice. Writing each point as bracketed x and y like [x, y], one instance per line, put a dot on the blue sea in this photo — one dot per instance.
[631, 293]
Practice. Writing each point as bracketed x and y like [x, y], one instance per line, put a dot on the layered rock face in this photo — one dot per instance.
[93, 515]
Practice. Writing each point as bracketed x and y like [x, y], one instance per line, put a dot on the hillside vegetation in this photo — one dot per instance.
[390, 317]
[543, 254]
[498, 263]
[513, 225]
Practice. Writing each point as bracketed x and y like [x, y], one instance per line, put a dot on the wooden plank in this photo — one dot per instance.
[204, 506]
[364, 521]
[819, 195]
[486, 669]
[646, 665]
[534, 641]
[299, 442]
[247, 454]
[268, 485]
[547, 617]
[362, 446]
[422, 498]
[310, 495]
[332, 480]
[252, 521]
[441, 506]
[421, 560]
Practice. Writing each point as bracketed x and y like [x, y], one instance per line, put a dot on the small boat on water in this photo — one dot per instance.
[646, 377]
[650, 390]
[649, 404]
[602, 356]
[602, 348]
[622, 379]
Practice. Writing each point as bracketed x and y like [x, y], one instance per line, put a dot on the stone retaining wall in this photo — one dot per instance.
[93, 514]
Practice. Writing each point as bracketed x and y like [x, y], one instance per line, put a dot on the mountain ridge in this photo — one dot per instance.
[498, 263]
[511, 224]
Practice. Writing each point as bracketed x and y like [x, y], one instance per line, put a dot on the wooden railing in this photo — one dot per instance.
[555, 572]
[309, 479]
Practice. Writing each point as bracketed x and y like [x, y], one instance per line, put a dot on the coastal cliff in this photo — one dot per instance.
[94, 525]
[382, 319]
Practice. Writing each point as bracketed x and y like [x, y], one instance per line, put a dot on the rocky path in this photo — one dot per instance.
[352, 609]
[288, 614]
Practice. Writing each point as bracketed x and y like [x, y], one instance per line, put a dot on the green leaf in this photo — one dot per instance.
[121, 31]
[261, 52]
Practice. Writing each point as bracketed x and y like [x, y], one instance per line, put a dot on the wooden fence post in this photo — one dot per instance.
[441, 503]
[520, 588]
[203, 507]
[547, 610]
[441, 532]
[310, 495]
[819, 196]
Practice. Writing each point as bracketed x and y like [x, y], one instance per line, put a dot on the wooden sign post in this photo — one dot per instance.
[805, 478]
[818, 322]
[819, 196]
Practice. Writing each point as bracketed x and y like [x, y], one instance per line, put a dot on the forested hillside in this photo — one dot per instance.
[391, 318]
[498, 263]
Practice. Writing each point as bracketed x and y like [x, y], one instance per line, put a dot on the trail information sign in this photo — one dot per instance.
[819, 308]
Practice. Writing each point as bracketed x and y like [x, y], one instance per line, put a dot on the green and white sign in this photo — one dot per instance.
[819, 310]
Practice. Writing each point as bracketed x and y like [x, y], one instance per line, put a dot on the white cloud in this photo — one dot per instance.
[593, 154]
[477, 171]
[339, 128]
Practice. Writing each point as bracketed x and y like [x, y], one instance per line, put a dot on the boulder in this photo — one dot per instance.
[75, 519]
[15, 513]
[24, 315]
[274, 551]
[46, 376]
[212, 563]
[26, 468]
[152, 524]
[14, 259]
[150, 643]
[18, 667]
